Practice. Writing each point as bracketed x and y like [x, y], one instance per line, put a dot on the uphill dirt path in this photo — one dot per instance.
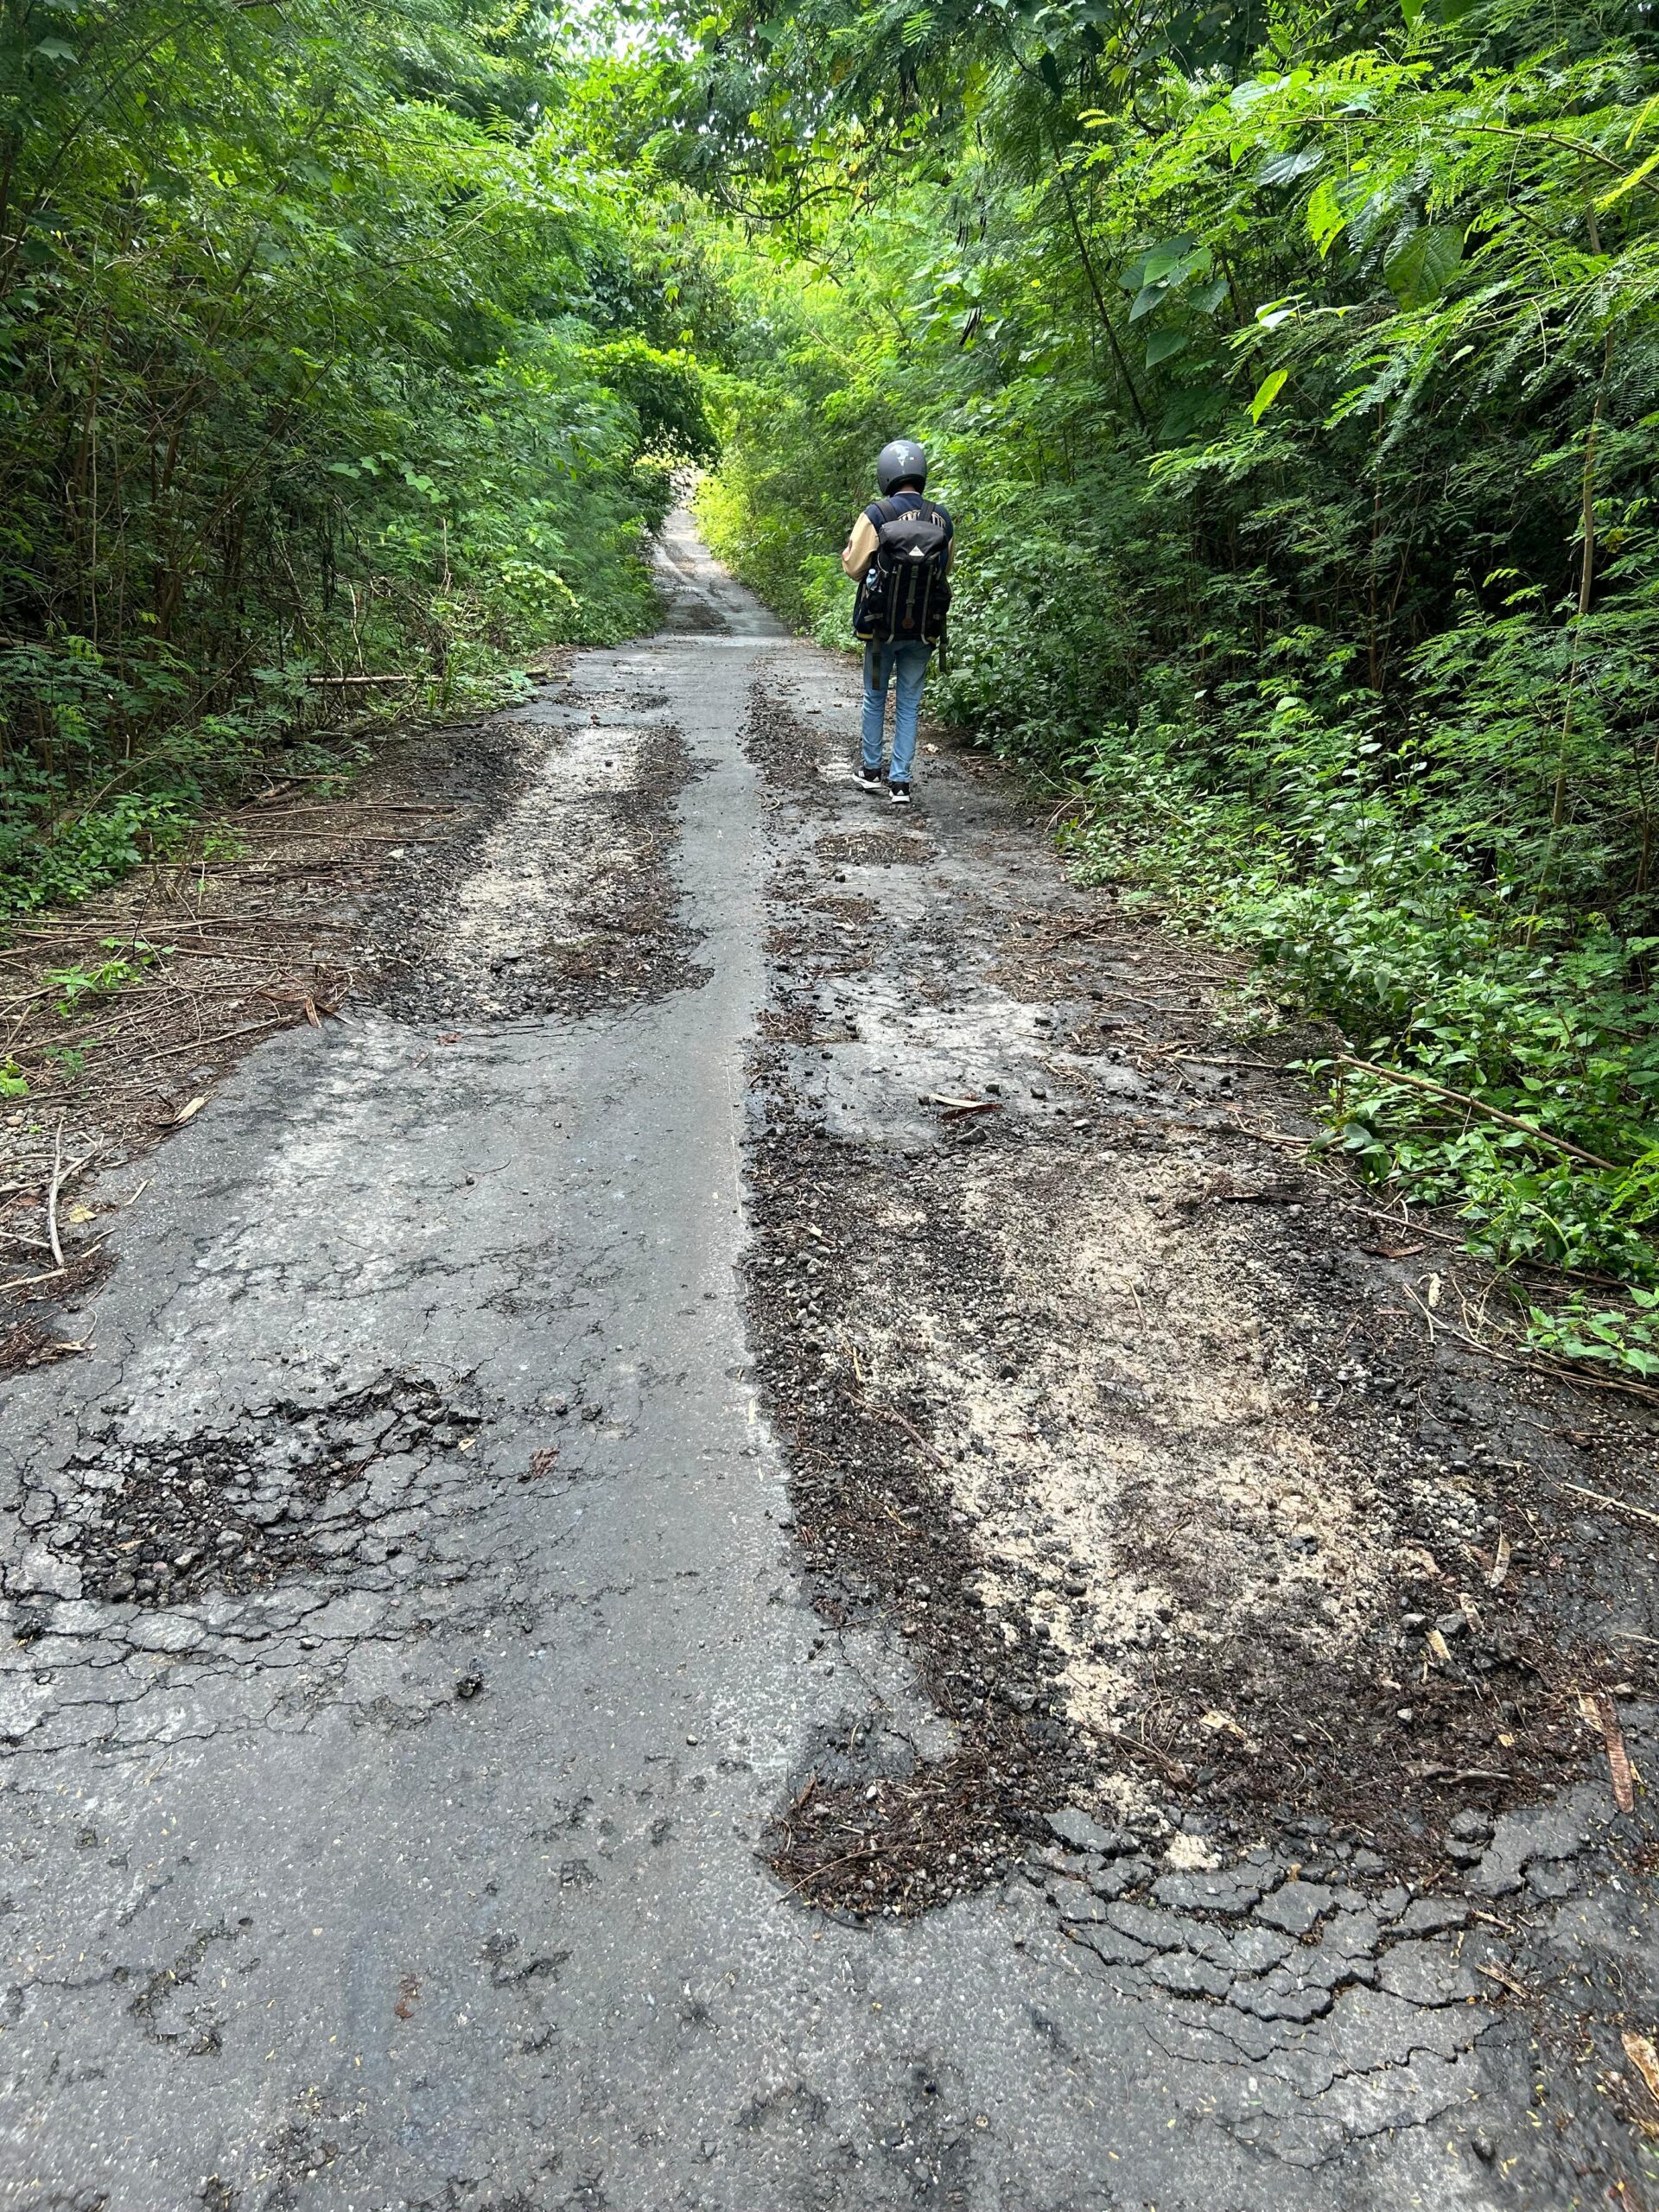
[756, 1540]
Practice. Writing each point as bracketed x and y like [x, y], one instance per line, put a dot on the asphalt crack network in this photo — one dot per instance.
[298, 1489]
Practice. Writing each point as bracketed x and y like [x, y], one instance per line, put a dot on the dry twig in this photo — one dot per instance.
[1618, 1504]
[891, 1414]
[52, 1197]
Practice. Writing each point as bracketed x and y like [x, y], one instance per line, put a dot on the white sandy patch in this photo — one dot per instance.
[1139, 1470]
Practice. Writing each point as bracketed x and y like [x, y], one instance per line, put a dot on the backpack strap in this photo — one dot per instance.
[907, 503]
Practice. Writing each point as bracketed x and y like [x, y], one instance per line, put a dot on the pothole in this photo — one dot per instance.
[292, 1490]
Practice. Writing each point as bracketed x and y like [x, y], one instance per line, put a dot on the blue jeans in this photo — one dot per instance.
[908, 662]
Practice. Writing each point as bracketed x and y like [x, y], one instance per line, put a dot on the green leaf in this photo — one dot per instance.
[1421, 269]
[1285, 169]
[1638, 175]
[1164, 263]
[1163, 344]
[1325, 220]
[56, 49]
[1267, 391]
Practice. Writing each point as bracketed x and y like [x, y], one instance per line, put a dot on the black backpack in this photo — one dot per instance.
[905, 593]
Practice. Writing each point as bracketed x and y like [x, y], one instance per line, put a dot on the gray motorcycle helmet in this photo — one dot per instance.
[898, 462]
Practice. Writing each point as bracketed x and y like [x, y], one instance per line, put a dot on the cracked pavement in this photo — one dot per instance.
[409, 1650]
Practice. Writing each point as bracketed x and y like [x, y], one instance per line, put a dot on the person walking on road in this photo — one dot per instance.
[900, 556]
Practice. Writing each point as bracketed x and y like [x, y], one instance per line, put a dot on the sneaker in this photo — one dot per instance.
[870, 777]
[899, 794]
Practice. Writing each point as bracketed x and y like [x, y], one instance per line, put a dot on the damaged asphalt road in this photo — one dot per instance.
[623, 1615]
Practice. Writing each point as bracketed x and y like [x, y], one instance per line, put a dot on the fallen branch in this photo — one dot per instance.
[1084, 928]
[1459, 1774]
[1479, 1106]
[1219, 1060]
[1463, 1337]
[23, 1282]
[1505, 1980]
[302, 1000]
[817, 1873]
[358, 805]
[223, 952]
[1585, 1378]
[226, 1036]
[1233, 1126]
[363, 679]
[1172, 1769]
[278, 835]
[1600, 1712]
[1407, 1228]
[52, 1197]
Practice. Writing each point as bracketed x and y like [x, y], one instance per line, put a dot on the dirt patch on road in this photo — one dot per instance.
[120, 1009]
[876, 848]
[1136, 1422]
[885, 1540]
[565, 903]
[1188, 1515]
[126, 1010]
